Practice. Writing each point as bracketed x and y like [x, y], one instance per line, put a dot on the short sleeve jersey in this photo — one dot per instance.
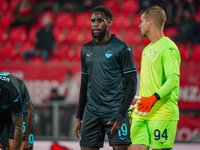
[105, 65]
[10, 97]
[25, 95]
[159, 61]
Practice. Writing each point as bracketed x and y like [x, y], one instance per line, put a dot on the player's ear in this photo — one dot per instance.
[109, 22]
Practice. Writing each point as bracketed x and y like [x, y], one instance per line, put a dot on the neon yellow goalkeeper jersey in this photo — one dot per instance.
[159, 61]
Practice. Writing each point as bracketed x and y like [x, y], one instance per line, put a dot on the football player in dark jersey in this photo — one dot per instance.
[108, 86]
[15, 87]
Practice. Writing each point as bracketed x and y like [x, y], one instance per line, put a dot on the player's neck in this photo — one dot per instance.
[155, 36]
[105, 39]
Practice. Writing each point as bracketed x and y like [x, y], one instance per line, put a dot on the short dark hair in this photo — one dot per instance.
[156, 13]
[104, 9]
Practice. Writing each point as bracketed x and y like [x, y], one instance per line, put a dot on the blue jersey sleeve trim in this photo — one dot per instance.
[29, 100]
[17, 114]
[129, 71]
[83, 73]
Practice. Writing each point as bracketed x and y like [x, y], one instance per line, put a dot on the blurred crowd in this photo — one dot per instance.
[54, 30]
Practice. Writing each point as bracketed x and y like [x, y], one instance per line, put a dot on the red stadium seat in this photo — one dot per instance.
[64, 20]
[71, 52]
[113, 5]
[136, 21]
[184, 52]
[78, 52]
[82, 20]
[121, 21]
[3, 6]
[63, 51]
[18, 34]
[170, 31]
[137, 52]
[196, 16]
[6, 20]
[129, 7]
[3, 35]
[196, 53]
[32, 33]
[60, 34]
[132, 36]
[88, 36]
[7, 51]
[13, 5]
[74, 35]
[26, 46]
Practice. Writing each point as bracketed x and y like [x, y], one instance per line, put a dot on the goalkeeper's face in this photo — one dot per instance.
[99, 24]
[144, 26]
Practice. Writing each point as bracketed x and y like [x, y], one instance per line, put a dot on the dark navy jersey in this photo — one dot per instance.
[10, 97]
[25, 95]
[105, 65]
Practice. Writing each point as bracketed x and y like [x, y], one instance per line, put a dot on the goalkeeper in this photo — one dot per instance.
[156, 114]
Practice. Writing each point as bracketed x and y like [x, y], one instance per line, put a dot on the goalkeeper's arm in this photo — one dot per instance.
[170, 84]
[147, 103]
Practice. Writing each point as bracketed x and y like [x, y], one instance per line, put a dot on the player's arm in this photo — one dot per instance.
[18, 123]
[171, 65]
[82, 103]
[130, 78]
[82, 95]
[30, 123]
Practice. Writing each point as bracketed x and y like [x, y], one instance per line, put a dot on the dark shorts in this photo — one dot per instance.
[93, 132]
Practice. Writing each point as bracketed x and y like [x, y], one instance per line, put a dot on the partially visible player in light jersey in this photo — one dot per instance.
[157, 113]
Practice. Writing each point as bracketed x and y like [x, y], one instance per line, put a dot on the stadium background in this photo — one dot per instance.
[55, 121]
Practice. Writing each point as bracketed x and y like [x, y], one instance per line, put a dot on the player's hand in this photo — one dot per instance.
[78, 127]
[1, 147]
[131, 108]
[26, 145]
[118, 120]
[145, 105]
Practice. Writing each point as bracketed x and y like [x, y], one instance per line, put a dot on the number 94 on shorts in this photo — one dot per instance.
[160, 133]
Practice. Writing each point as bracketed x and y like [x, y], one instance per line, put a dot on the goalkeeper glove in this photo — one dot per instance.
[145, 105]
[130, 110]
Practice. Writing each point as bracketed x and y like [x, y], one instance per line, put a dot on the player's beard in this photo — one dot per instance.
[100, 36]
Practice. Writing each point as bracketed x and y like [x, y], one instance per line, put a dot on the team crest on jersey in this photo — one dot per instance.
[108, 54]
[155, 52]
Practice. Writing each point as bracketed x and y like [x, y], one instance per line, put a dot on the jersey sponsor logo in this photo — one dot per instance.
[155, 52]
[108, 54]
[88, 55]
[3, 78]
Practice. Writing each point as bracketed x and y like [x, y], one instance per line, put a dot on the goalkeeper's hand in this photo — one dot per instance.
[130, 110]
[145, 105]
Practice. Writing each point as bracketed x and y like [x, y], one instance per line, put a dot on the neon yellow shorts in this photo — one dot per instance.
[160, 133]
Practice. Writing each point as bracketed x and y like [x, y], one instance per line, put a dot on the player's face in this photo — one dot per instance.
[99, 25]
[144, 26]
